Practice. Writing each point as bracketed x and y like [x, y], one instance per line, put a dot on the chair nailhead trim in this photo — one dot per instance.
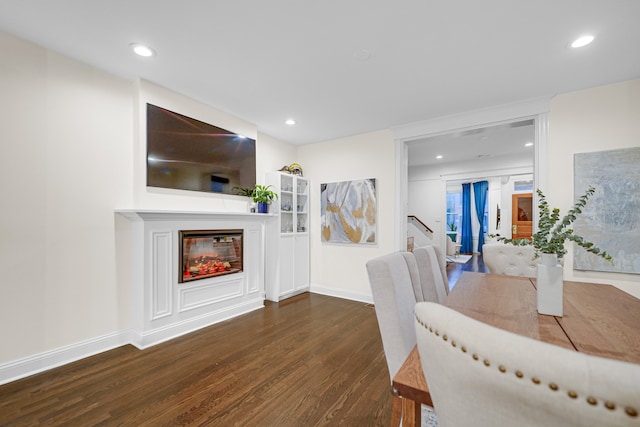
[630, 411]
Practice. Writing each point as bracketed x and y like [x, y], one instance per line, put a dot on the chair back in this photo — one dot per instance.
[434, 285]
[451, 247]
[479, 375]
[502, 258]
[392, 280]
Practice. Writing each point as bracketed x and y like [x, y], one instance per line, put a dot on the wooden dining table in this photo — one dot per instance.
[600, 320]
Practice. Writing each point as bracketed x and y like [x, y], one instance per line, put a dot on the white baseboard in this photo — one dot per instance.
[27, 366]
[159, 335]
[341, 293]
[37, 363]
[31, 365]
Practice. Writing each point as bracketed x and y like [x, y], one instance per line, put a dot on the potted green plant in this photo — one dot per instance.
[263, 196]
[244, 191]
[452, 231]
[549, 242]
[553, 233]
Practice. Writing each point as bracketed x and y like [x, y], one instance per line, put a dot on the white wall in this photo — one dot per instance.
[272, 154]
[427, 200]
[340, 269]
[70, 157]
[67, 132]
[597, 119]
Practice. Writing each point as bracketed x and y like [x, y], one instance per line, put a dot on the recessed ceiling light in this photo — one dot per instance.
[290, 122]
[582, 41]
[142, 50]
[438, 157]
[362, 55]
[528, 144]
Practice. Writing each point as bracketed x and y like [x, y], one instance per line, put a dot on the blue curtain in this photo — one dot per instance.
[467, 238]
[480, 194]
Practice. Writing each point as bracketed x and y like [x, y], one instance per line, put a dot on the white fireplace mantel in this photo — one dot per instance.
[162, 308]
[157, 215]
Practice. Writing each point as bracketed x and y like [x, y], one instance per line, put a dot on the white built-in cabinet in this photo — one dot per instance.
[287, 268]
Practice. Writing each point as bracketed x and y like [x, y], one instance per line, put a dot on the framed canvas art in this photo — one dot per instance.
[611, 219]
[348, 211]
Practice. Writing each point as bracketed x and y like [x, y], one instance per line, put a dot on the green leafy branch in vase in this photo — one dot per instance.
[553, 233]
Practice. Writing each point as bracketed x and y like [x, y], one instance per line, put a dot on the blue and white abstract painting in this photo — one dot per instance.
[611, 219]
[348, 211]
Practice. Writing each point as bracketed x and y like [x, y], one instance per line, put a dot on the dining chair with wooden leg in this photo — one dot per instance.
[394, 280]
[393, 297]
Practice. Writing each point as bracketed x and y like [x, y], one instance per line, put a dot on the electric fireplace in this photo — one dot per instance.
[209, 253]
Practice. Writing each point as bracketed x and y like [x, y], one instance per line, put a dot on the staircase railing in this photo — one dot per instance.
[424, 228]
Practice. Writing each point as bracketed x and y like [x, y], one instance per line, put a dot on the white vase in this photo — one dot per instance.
[549, 285]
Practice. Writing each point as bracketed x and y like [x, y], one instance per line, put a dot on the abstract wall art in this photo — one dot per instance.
[348, 211]
[611, 219]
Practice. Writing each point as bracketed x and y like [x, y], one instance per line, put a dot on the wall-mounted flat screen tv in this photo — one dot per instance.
[187, 154]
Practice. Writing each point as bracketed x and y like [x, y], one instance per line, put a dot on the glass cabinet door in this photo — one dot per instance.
[302, 222]
[286, 204]
[293, 202]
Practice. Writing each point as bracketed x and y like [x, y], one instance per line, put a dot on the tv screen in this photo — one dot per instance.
[187, 154]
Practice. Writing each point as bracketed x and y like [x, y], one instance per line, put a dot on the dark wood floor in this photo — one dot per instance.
[454, 270]
[310, 360]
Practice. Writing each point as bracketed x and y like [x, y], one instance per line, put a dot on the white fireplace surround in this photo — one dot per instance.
[163, 308]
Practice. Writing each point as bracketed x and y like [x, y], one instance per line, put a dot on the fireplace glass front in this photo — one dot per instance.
[209, 253]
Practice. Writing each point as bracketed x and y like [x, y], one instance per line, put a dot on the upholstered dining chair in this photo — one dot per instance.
[433, 274]
[502, 258]
[393, 278]
[394, 300]
[480, 375]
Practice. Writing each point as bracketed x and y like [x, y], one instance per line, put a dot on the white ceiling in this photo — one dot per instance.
[266, 61]
[507, 140]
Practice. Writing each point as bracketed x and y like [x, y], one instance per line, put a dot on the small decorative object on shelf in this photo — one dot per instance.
[295, 169]
[260, 194]
[549, 243]
[243, 191]
[263, 197]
